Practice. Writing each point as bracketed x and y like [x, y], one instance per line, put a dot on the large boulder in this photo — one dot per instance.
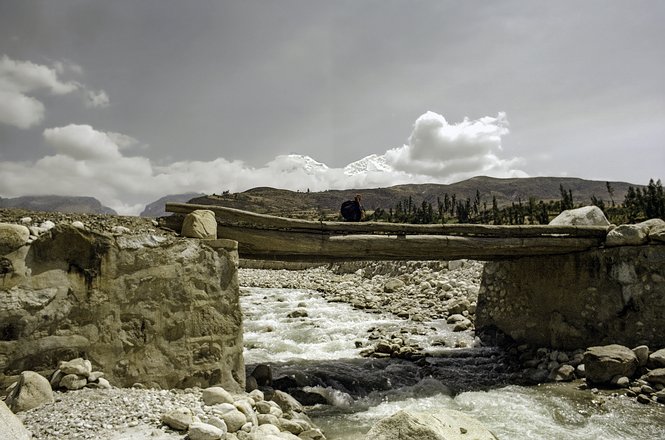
[31, 391]
[656, 376]
[657, 233]
[442, 425]
[179, 419]
[204, 431]
[605, 362]
[657, 358]
[585, 216]
[12, 237]
[11, 426]
[627, 235]
[78, 366]
[286, 402]
[200, 224]
[638, 234]
[214, 395]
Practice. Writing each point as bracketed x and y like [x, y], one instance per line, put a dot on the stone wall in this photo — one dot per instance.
[612, 295]
[142, 308]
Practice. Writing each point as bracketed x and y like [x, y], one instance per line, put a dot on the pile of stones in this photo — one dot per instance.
[33, 390]
[85, 405]
[243, 417]
[639, 372]
[76, 374]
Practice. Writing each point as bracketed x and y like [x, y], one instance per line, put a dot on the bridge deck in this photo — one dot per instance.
[269, 237]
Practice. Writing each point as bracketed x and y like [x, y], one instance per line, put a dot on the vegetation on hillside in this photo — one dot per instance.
[639, 204]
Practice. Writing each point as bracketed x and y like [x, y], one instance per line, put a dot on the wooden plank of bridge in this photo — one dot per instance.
[236, 217]
[289, 246]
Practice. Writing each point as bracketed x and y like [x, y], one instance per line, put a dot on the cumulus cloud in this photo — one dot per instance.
[25, 77]
[96, 99]
[21, 79]
[91, 162]
[19, 110]
[447, 151]
[82, 142]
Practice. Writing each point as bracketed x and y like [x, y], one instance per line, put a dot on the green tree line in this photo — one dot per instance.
[639, 204]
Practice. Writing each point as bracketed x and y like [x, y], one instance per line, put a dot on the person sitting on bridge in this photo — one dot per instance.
[352, 210]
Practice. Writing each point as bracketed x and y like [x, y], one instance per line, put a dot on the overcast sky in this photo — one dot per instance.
[128, 100]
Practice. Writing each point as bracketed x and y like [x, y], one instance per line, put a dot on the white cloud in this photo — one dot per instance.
[447, 151]
[96, 99]
[62, 67]
[26, 77]
[81, 142]
[122, 140]
[20, 110]
[91, 162]
[20, 79]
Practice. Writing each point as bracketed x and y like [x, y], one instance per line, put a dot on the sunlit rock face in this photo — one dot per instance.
[142, 308]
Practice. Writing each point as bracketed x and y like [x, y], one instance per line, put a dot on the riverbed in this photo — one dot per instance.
[316, 342]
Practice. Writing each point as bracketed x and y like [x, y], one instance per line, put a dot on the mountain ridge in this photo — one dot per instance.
[323, 204]
[53, 203]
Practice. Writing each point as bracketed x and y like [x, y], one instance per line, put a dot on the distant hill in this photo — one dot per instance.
[326, 203]
[74, 204]
[156, 208]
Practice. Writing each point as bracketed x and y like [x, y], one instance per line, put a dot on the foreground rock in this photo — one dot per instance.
[443, 425]
[11, 426]
[585, 216]
[31, 391]
[604, 363]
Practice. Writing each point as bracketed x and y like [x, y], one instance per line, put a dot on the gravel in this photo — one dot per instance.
[117, 413]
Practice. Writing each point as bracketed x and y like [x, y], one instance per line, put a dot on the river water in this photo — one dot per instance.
[321, 351]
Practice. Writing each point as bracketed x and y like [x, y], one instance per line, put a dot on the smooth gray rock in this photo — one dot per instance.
[392, 285]
[214, 395]
[642, 354]
[441, 425]
[79, 366]
[626, 235]
[31, 391]
[204, 431]
[656, 376]
[179, 419]
[200, 224]
[585, 216]
[657, 358]
[73, 382]
[602, 363]
[11, 426]
[12, 237]
[286, 402]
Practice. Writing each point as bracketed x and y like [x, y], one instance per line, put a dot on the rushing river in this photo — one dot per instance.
[322, 350]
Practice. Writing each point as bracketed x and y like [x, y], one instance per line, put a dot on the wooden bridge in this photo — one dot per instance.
[268, 237]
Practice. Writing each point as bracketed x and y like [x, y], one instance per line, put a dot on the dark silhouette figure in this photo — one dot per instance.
[352, 210]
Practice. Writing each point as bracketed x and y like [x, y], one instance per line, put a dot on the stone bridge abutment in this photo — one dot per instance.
[602, 296]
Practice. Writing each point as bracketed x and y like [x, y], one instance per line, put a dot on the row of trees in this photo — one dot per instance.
[639, 204]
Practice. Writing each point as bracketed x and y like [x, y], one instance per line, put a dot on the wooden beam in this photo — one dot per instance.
[236, 217]
[289, 246]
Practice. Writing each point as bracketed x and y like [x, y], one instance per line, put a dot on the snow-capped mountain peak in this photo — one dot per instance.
[294, 162]
[373, 162]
